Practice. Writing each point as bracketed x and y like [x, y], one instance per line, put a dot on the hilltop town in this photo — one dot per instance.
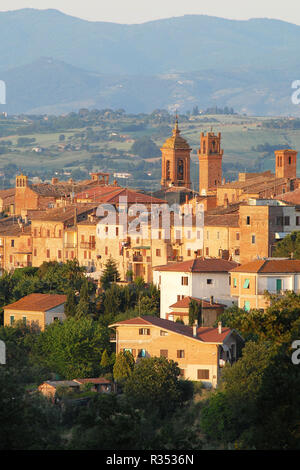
[177, 281]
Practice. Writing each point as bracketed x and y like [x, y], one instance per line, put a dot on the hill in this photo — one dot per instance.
[54, 62]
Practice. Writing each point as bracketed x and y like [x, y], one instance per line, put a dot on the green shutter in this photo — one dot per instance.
[247, 306]
[278, 285]
[246, 284]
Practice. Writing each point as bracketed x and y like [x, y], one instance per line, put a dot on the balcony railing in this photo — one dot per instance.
[88, 245]
[137, 258]
[70, 245]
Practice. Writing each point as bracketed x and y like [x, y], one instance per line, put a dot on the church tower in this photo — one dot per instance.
[175, 161]
[210, 162]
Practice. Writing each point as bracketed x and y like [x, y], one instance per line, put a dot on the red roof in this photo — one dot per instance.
[199, 265]
[204, 334]
[113, 193]
[37, 302]
[99, 380]
[270, 266]
[185, 302]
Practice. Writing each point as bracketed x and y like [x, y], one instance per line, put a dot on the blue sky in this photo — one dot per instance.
[139, 11]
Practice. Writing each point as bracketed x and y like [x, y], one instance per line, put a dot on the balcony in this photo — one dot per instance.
[70, 245]
[88, 245]
[137, 258]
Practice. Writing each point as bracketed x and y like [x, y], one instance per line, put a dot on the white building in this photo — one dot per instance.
[199, 277]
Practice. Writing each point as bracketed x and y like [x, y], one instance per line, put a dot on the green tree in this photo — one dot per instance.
[110, 274]
[145, 148]
[154, 384]
[289, 247]
[123, 367]
[83, 306]
[73, 348]
[195, 312]
[70, 305]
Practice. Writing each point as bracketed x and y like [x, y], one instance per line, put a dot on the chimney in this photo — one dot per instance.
[219, 327]
[195, 326]
[211, 300]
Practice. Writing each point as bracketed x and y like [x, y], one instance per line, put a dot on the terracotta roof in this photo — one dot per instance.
[270, 266]
[221, 220]
[64, 213]
[185, 302]
[291, 197]
[204, 334]
[99, 380]
[10, 227]
[61, 383]
[37, 302]
[199, 265]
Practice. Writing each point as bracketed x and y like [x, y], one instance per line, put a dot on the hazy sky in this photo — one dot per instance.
[138, 11]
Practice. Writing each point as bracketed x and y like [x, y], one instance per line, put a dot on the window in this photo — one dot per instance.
[209, 281]
[48, 233]
[82, 238]
[184, 281]
[286, 220]
[11, 319]
[10, 258]
[59, 254]
[48, 254]
[246, 284]
[142, 353]
[35, 232]
[164, 353]
[106, 250]
[188, 252]
[28, 242]
[67, 254]
[12, 243]
[297, 220]
[234, 282]
[203, 374]
[59, 233]
[158, 253]
[159, 235]
[207, 251]
[253, 239]
[117, 231]
[247, 306]
[290, 160]
[163, 333]
[85, 255]
[35, 252]
[180, 353]
[144, 331]
[248, 220]
[237, 236]
[278, 285]
[72, 254]
[279, 220]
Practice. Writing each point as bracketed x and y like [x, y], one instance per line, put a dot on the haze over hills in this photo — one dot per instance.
[52, 62]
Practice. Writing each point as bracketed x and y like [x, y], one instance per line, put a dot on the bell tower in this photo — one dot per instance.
[175, 161]
[210, 157]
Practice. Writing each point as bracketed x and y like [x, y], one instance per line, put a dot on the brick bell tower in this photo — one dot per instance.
[210, 157]
[286, 164]
[175, 161]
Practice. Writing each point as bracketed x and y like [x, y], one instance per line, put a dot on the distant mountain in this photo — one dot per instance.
[52, 62]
